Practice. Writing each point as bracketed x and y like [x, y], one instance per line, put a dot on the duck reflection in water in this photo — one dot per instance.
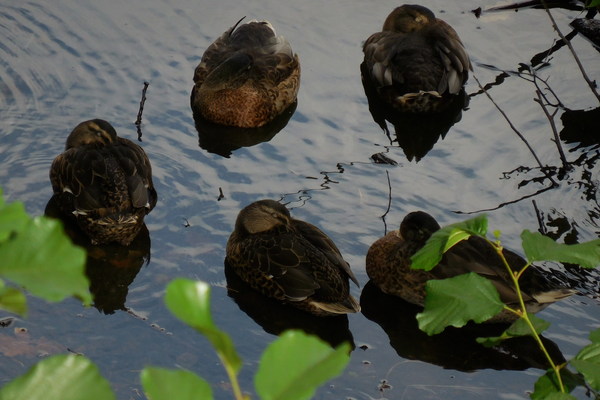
[275, 317]
[223, 140]
[416, 65]
[415, 133]
[112, 267]
[454, 348]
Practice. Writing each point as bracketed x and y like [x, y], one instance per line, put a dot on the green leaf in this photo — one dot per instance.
[12, 300]
[12, 219]
[455, 301]
[165, 384]
[538, 247]
[54, 270]
[190, 302]
[593, 3]
[442, 240]
[60, 377]
[587, 361]
[294, 365]
[547, 386]
[518, 328]
[595, 336]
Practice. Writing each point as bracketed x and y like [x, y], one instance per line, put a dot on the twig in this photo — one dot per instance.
[561, 153]
[505, 203]
[138, 120]
[389, 202]
[540, 218]
[515, 130]
[535, 80]
[591, 84]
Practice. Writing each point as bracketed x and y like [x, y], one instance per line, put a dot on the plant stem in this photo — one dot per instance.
[237, 392]
[524, 314]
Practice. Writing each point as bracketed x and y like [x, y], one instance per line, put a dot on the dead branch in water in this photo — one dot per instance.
[519, 134]
[389, 202]
[550, 118]
[590, 83]
[138, 121]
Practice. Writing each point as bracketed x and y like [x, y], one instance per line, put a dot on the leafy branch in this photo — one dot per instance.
[455, 301]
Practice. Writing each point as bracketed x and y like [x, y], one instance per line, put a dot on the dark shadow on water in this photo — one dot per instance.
[111, 268]
[416, 134]
[454, 348]
[275, 317]
[223, 140]
[581, 126]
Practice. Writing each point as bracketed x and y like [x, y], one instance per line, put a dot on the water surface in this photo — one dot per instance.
[65, 62]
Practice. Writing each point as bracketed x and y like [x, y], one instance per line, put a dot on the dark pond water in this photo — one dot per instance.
[64, 62]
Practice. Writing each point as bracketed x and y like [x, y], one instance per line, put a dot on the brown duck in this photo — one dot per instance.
[104, 182]
[290, 260]
[388, 266]
[247, 77]
[417, 62]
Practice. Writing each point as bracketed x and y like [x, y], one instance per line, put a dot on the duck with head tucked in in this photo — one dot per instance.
[389, 267]
[104, 182]
[290, 260]
[247, 77]
[417, 62]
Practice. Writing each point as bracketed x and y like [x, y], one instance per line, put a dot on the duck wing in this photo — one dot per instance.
[453, 55]
[325, 245]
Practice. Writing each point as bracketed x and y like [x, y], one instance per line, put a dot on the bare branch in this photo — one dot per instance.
[550, 118]
[591, 84]
[515, 130]
[389, 202]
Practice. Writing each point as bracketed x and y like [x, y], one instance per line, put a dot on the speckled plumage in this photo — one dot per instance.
[290, 260]
[104, 182]
[388, 266]
[417, 62]
[247, 77]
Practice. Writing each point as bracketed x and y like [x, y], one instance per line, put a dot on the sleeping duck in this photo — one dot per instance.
[104, 182]
[247, 77]
[389, 267]
[290, 260]
[417, 62]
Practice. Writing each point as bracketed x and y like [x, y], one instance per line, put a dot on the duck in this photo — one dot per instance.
[417, 62]
[388, 266]
[290, 260]
[104, 183]
[246, 77]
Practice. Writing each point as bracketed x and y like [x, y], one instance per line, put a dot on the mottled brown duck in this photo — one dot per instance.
[417, 62]
[290, 260]
[388, 266]
[247, 77]
[104, 182]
